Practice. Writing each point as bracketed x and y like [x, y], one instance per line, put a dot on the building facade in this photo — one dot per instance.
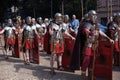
[106, 9]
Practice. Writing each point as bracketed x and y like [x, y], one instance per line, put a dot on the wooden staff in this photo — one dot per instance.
[82, 7]
[111, 10]
[62, 7]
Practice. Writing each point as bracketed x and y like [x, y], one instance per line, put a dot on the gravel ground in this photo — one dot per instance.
[15, 69]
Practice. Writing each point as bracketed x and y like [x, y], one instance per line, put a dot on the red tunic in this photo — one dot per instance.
[10, 41]
[66, 58]
[58, 48]
[41, 40]
[116, 46]
[29, 44]
[17, 45]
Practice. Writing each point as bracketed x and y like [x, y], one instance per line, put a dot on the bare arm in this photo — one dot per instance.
[1, 32]
[69, 35]
[51, 31]
[37, 33]
[104, 35]
[71, 29]
[45, 30]
[21, 30]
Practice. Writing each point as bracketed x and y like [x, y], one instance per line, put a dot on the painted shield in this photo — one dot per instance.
[103, 61]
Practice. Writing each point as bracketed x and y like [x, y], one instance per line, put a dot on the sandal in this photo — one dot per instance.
[60, 68]
[6, 57]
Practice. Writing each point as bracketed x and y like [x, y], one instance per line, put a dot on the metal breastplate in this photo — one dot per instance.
[57, 37]
[67, 28]
[40, 31]
[9, 33]
[29, 33]
[114, 27]
[90, 40]
[116, 36]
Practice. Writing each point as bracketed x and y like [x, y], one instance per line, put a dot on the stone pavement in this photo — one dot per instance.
[15, 69]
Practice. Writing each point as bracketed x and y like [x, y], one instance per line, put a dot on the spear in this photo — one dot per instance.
[82, 7]
[62, 7]
[111, 11]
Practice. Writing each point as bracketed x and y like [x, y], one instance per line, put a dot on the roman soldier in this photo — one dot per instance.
[9, 37]
[69, 43]
[85, 45]
[41, 28]
[57, 30]
[113, 30]
[68, 25]
[29, 36]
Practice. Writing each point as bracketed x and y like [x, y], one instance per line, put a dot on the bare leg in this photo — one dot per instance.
[52, 59]
[31, 55]
[13, 53]
[6, 52]
[27, 57]
[24, 56]
[59, 61]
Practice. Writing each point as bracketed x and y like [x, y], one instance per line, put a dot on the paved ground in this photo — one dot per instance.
[14, 69]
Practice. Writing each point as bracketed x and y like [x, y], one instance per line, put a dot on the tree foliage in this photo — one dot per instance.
[36, 8]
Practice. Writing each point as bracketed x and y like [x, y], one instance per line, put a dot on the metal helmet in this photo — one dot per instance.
[58, 18]
[9, 21]
[58, 15]
[28, 19]
[92, 15]
[39, 18]
[92, 12]
[66, 16]
[116, 17]
[86, 15]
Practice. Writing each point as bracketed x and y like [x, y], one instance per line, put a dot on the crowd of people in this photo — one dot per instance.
[36, 35]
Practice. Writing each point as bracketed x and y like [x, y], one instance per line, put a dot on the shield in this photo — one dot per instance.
[103, 61]
[36, 55]
[66, 58]
[47, 43]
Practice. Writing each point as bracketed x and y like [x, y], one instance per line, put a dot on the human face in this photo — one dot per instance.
[74, 16]
[59, 19]
[29, 21]
[33, 20]
[93, 18]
